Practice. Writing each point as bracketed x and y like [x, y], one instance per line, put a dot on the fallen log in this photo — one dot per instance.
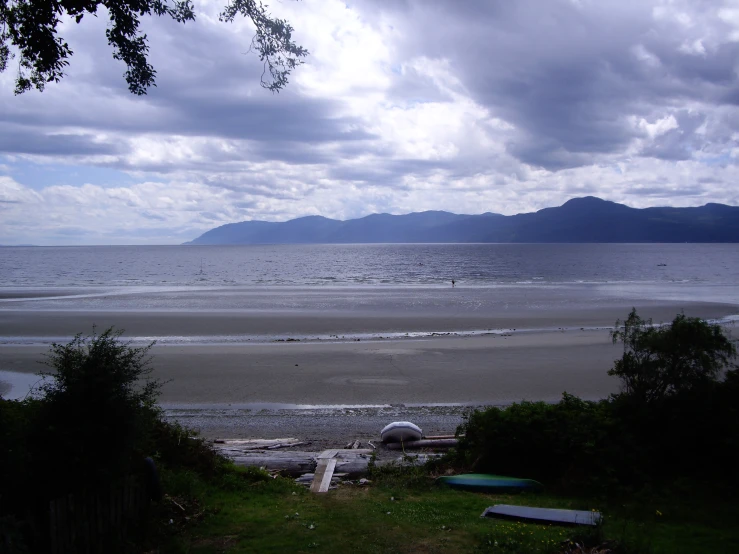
[352, 462]
[286, 445]
[291, 466]
[423, 443]
[227, 445]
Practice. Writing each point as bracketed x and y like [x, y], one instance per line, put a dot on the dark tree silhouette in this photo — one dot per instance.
[28, 30]
[659, 361]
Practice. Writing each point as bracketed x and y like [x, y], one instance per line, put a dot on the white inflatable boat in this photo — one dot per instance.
[401, 431]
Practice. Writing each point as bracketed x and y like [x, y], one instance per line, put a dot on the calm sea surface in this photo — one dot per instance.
[476, 265]
[321, 281]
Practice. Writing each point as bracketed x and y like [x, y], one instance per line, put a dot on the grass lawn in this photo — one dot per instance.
[398, 514]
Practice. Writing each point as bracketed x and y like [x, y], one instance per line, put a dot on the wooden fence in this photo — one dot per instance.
[99, 520]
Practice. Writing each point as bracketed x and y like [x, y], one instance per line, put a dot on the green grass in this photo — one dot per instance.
[242, 514]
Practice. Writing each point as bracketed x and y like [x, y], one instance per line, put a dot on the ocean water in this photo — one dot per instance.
[405, 265]
[404, 278]
[346, 283]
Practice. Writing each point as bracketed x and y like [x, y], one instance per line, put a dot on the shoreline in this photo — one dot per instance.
[385, 320]
[445, 355]
[438, 370]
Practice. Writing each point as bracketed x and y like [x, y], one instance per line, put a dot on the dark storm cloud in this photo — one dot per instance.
[15, 139]
[197, 114]
[207, 87]
[569, 74]
[665, 191]
[389, 173]
[574, 79]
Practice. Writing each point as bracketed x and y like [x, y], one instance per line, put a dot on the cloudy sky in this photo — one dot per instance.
[408, 105]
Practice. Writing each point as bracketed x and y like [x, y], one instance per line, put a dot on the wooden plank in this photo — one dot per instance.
[326, 481]
[327, 454]
[322, 477]
[318, 475]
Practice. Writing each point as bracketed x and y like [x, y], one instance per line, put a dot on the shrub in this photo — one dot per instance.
[96, 412]
[180, 448]
[674, 419]
[660, 361]
[560, 442]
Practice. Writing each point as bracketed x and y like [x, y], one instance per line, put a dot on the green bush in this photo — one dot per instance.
[677, 417]
[560, 442]
[661, 361]
[693, 433]
[17, 418]
[177, 447]
[96, 412]
[93, 422]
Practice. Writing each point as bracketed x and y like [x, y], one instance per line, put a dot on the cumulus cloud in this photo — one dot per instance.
[402, 106]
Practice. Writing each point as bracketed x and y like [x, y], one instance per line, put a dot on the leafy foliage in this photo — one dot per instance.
[178, 447]
[30, 26]
[94, 421]
[661, 361]
[547, 442]
[98, 406]
[676, 418]
[273, 41]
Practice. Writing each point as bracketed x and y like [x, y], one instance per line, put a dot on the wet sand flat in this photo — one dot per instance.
[345, 356]
[221, 365]
[484, 369]
[240, 390]
[263, 324]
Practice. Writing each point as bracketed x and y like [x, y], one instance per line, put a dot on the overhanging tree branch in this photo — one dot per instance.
[30, 28]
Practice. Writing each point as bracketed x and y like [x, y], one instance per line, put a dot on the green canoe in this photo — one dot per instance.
[482, 482]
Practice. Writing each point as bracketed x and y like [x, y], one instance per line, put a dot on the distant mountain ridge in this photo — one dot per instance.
[580, 220]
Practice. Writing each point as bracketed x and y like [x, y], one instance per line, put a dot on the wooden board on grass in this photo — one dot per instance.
[542, 515]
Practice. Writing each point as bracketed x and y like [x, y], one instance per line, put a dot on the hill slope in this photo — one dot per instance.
[586, 219]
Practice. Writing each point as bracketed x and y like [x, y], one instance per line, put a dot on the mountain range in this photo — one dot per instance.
[586, 219]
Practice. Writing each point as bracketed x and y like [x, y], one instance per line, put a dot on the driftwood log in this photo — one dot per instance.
[423, 443]
[354, 462]
[239, 445]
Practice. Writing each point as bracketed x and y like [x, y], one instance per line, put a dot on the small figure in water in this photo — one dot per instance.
[452, 283]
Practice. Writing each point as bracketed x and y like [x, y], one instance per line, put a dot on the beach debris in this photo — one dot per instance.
[252, 444]
[297, 462]
[336, 479]
[423, 443]
[325, 467]
[286, 445]
[350, 463]
[372, 445]
[323, 475]
[352, 445]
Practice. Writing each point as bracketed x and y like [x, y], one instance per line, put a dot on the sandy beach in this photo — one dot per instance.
[495, 369]
[343, 372]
